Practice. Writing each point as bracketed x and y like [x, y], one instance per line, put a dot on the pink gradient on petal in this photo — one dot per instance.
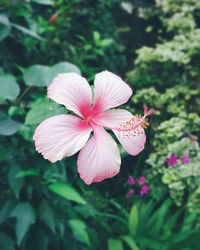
[99, 159]
[60, 136]
[110, 91]
[73, 91]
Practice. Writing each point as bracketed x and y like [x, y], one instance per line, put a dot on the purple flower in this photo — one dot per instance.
[144, 189]
[130, 180]
[185, 159]
[141, 180]
[131, 192]
[172, 160]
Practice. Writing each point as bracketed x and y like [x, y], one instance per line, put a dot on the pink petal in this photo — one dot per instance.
[112, 118]
[73, 91]
[132, 144]
[60, 136]
[100, 158]
[110, 91]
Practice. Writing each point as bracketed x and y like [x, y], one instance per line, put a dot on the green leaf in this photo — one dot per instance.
[96, 38]
[15, 184]
[8, 126]
[79, 230]
[25, 216]
[159, 217]
[150, 243]
[43, 109]
[9, 88]
[130, 242]
[66, 191]
[133, 220]
[41, 239]
[45, 2]
[114, 244]
[6, 243]
[46, 214]
[16, 110]
[5, 27]
[29, 172]
[27, 31]
[106, 42]
[189, 220]
[36, 75]
[62, 67]
[6, 153]
[27, 131]
[5, 210]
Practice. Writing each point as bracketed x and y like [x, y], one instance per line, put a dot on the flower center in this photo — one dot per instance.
[88, 119]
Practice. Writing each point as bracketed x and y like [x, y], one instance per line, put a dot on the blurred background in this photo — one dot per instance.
[154, 202]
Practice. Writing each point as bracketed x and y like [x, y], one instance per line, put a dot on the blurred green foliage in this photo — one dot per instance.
[174, 59]
[46, 206]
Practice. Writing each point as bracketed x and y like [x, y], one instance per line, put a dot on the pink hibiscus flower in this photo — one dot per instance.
[64, 135]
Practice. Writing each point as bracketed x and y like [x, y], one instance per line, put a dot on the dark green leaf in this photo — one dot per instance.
[43, 109]
[9, 88]
[27, 31]
[79, 230]
[25, 216]
[5, 27]
[62, 67]
[41, 239]
[36, 75]
[8, 126]
[189, 220]
[156, 221]
[47, 215]
[5, 210]
[6, 243]
[150, 243]
[66, 191]
[6, 152]
[15, 183]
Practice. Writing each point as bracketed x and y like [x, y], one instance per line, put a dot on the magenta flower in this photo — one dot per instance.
[185, 159]
[141, 180]
[131, 192]
[172, 160]
[64, 135]
[130, 180]
[144, 189]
